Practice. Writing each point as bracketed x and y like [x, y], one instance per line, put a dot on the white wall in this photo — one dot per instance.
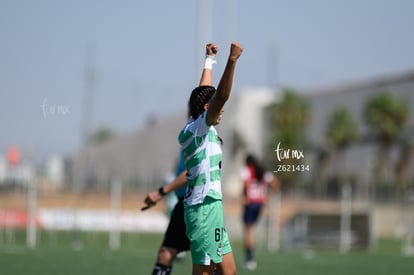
[243, 113]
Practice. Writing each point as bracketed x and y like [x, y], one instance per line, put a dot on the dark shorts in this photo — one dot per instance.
[251, 213]
[175, 235]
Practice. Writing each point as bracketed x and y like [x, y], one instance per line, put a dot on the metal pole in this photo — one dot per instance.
[231, 21]
[408, 240]
[31, 210]
[205, 8]
[30, 180]
[273, 227]
[114, 235]
[346, 211]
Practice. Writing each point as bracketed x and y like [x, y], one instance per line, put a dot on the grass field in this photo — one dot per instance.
[55, 255]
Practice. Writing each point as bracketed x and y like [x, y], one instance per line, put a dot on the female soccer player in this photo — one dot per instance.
[256, 182]
[200, 144]
[175, 239]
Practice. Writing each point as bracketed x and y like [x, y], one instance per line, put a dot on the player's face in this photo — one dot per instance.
[219, 117]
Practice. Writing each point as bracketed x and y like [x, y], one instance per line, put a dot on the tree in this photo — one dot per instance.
[386, 116]
[289, 118]
[101, 135]
[341, 131]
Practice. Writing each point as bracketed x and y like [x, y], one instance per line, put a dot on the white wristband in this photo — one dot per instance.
[209, 61]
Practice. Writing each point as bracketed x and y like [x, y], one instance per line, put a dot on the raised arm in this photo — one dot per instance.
[224, 86]
[207, 75]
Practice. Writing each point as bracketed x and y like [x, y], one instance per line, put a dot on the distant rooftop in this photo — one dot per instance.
[362, 84]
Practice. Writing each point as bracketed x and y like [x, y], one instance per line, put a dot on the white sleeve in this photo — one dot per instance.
[200, 126]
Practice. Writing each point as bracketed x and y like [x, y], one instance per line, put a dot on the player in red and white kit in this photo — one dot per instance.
[256, 183]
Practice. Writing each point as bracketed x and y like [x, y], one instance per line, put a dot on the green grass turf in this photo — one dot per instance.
[55, 255]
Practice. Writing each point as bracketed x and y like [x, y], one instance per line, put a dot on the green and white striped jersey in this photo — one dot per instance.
[201, 147]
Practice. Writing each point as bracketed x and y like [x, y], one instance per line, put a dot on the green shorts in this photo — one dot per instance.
[205, 229]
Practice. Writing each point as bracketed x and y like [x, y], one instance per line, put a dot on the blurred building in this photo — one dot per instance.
[244, 130]
[3, 170]
[361, 157]
[142, 158]
[139, 159]
[54, 172]
[16, 169]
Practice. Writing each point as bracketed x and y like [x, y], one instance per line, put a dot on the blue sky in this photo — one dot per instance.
[146, 55]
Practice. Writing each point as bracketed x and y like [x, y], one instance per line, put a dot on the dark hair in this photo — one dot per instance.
[258, 169]
[199, 97]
